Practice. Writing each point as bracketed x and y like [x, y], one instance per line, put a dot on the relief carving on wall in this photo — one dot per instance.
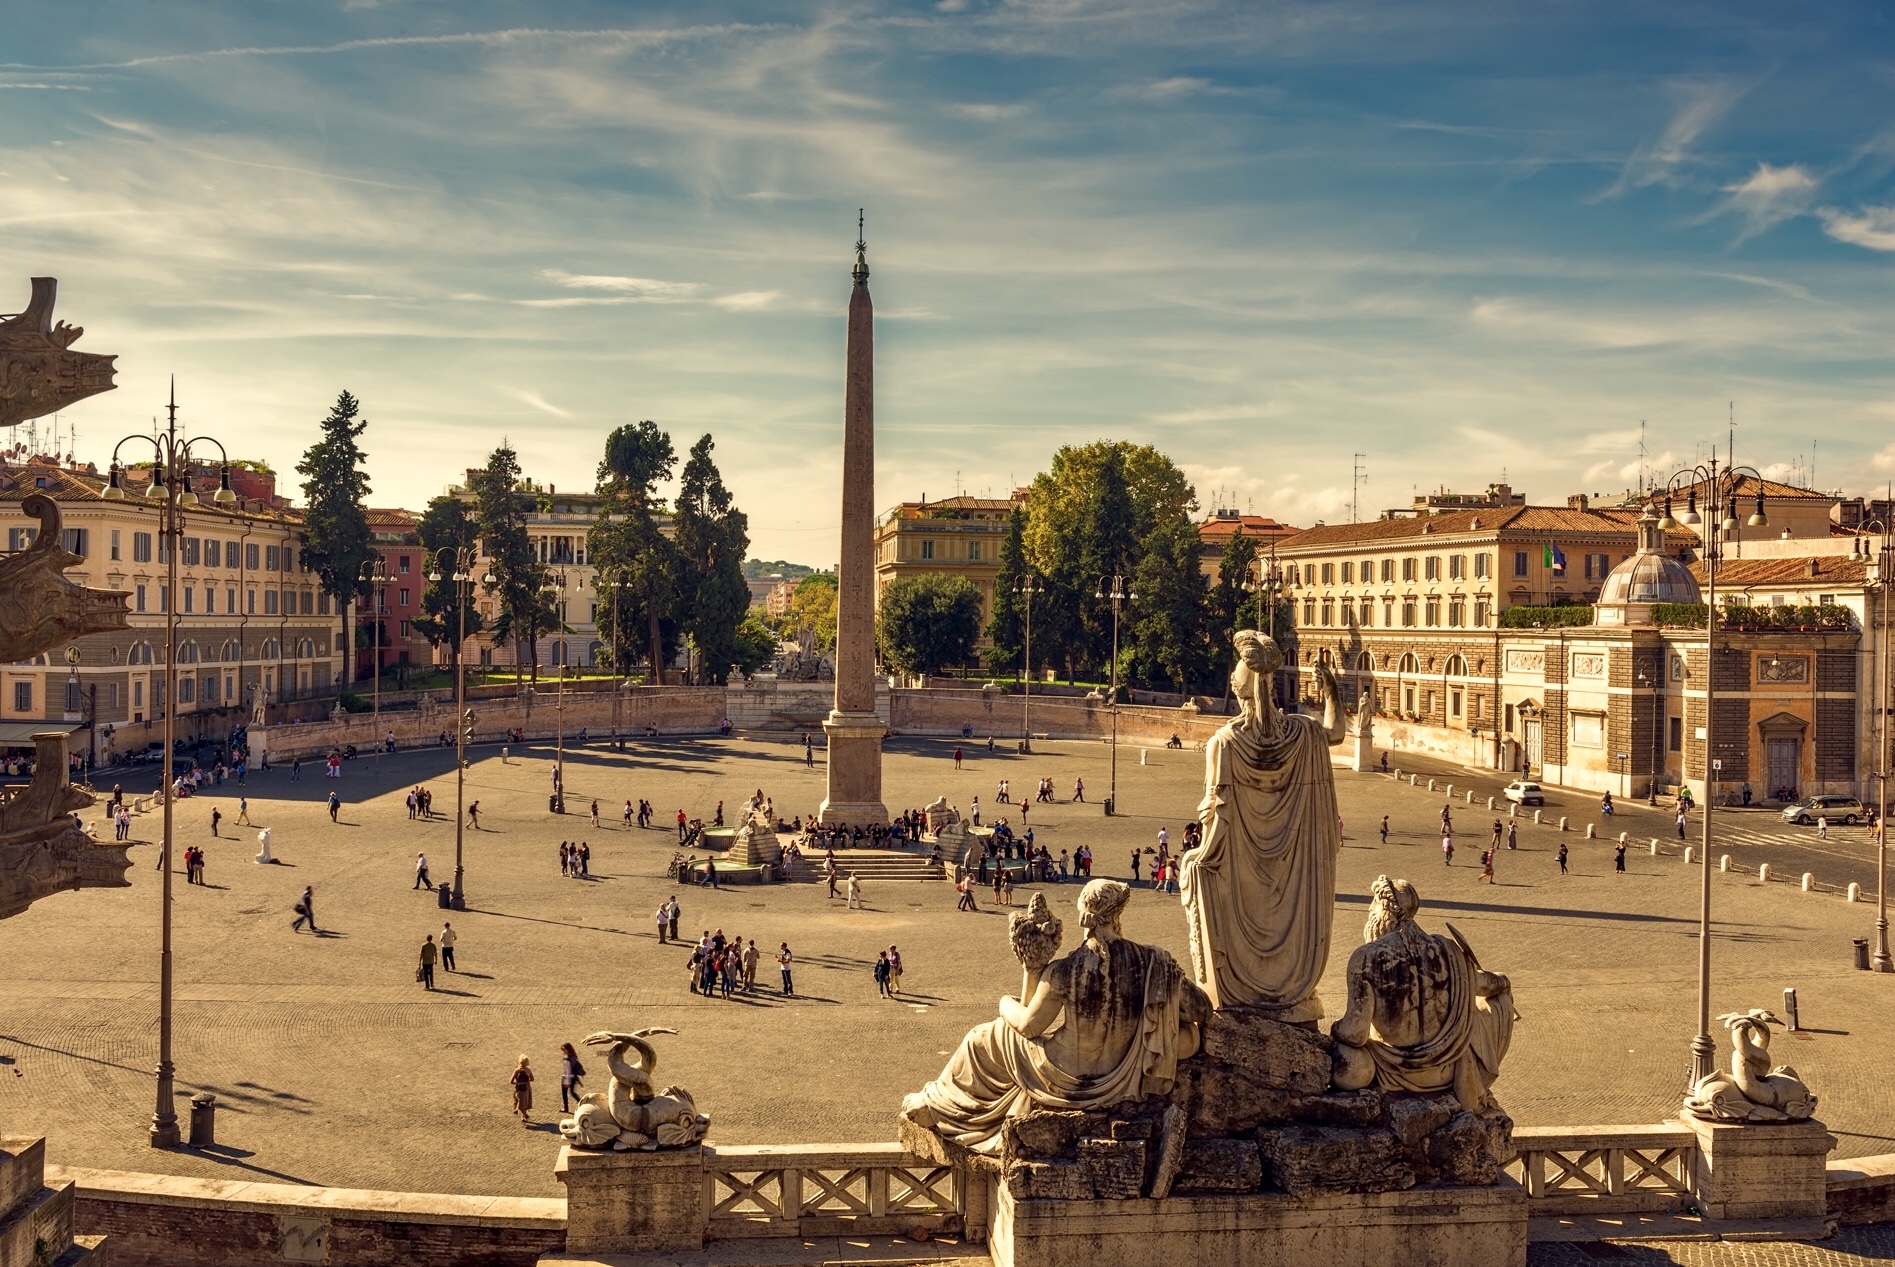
[1526, 661]
[1789, 668]
[1588, 664]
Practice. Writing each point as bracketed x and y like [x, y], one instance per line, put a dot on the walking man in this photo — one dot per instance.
[448, 938]
[1079, 791]
[672, 906]
[855, 892]
[1385, 829]
[243, 812]
[306, 910]
[1681, 822]
[429, 951]
[421, 873]
[1447, 848]
[957, 758]
[750, 956]
[784, 960]
[335, 807]
[217, 817]
[1562, 857]
[473, 815]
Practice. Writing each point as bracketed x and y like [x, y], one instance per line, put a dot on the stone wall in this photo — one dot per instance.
[165, 1221]
[945, 712]
[675, 710]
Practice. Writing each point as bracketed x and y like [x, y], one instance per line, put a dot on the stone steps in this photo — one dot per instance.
[873, 864]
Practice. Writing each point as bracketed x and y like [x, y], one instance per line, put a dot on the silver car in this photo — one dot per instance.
[1837, 809]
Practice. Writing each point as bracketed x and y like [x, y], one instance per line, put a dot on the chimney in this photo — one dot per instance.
[1579, 501]
[1813, 568]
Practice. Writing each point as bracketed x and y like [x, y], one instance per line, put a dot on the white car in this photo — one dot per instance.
[1524, 793]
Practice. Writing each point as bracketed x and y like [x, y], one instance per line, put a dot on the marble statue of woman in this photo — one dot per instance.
[1104, 1025]
[1259, 891]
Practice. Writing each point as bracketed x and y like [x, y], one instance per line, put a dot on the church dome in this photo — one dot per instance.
[1650, 576]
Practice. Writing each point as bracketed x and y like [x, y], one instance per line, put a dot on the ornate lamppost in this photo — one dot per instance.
[1026, 587]
[1880, 960]
[171, 488]
[456, 564]
[373, 574]
[1115, 590]
[1721, 485]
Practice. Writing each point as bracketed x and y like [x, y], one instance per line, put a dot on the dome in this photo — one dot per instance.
[1650, 576]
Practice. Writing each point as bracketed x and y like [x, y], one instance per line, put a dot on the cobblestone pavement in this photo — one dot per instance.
[1848, 1247]
[332, 1066]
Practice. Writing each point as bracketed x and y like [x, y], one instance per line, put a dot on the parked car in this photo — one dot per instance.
[1837, 809]
[1524, 793]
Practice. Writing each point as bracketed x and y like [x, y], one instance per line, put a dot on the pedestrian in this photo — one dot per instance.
[296, 770]
[595, 813]
[1494, 844]
[1079, 791]
[448, 938]
[335, 807]
[664, 921]
[1134, 864]
[750, 957]
[414, 803]
[429, 953]
[675, 912]
[1562, 857]
[1618, 858]
[570, 1073]
[243, 812]
[710, 873]
[1447, 849]
[522, 1089]
[1513, 835]
[682, 823]
[421, 873]
[718, 821]
[881, 975]
[216, 818]
[1487, 864]
[966, 886]
[785, 961]
[835, 876]
[1681, 822]
[585, 859]
[473, 815]
[306, 910]
[894, 970]
[855, 893]
[1385, 829]
[1822, 827]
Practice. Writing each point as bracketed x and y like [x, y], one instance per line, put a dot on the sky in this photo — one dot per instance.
[1468, 241]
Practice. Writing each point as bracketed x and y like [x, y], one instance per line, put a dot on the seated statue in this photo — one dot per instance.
[1752, 1091]
[1422, 1014]
[629, 1114]
[940, 814]
[1130, 1014]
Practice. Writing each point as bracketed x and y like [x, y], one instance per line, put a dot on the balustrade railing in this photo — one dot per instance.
[1605, 1169]
[826, 1190]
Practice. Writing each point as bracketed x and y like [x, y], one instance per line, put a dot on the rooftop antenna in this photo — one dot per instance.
[1356, 476]
[1730, 436]
[1642, 486]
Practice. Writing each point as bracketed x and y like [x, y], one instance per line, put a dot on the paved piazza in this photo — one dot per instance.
[331, 1065]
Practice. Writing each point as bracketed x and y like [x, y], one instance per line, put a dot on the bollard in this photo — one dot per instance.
[203, 1120]
[1449, 791]
[1141, 757]
[1654, 846]
[1724, 862]
[1562, 822]
[1511, 810]
[1592, 831]
[1689, 854]
[1809, 882]
[1411, 780]
[1789, 1009]
[1536, 816]
[1431, 785]
[1862, 953]
[1470, 798]
[1763, 873]
[1855, 892]
[1490, 802]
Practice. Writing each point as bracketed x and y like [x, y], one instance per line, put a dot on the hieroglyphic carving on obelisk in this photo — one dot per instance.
[853, 727]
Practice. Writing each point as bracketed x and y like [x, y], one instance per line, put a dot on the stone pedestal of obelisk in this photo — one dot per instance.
[853, 728]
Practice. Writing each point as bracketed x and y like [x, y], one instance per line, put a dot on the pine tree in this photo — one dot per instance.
[1108, 547]
[448, 523]
[337, 542]
[712, 540]
[500, 509]
[1006, 627]
[1169, 642]
[637, 566]
[1230, 607]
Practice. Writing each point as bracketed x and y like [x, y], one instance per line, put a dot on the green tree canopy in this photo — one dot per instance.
[712, 537]
[1170, 648]
[448, 522]
[500, 510]
[754, 645]
[813, 607]
[927, 621]
[637, 565]
[336, 538]
[1006, 627]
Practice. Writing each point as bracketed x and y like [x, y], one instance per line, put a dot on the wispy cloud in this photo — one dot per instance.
[1769, 196]
[748, 300]
[1870, 227]
[539, 402]
[986, 111]
[646, 288]
[1700, 106]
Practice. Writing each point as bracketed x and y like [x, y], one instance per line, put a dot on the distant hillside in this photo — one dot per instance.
[755, 569]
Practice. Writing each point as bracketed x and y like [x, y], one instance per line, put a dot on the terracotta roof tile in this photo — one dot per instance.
[1832, 570]
[1538, 520]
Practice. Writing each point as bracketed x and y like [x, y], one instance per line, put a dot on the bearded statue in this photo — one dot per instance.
[1423, 1015]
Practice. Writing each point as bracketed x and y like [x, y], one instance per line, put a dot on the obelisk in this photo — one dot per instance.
[853, 727]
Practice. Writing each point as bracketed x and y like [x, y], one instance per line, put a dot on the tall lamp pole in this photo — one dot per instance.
[1113, 589]
[171, 487]
[1885, 581]
[373, 574]
[455, 564]
[1721, 485]
[1027, 587]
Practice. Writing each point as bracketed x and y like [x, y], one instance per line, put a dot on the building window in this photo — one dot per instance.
[72, 696]
[1480, 614]
[1388, 571]
[1408, 569]
[269, 602]
[190, 599]
[141, 547]
[1519, 562]
[187, 688]
[1388, 615]
[138, 598]
[1457, 567]
[1329, 575]
[230, 555]
[322, 603]
[927, 549]
[115, 545]
[1329, 610]
[404, 598]
[1309, 611]
[404, 629]
[250, 600]
[1483, 566]
[20, 538]
[1509, 716]
[1454, 704]
[213, 552]
[73, 541]
[187, 552]
[1434, 613]
[973, 552]
[250, 552]
[1597, 565]
[1367, 613]
[1677, 734]
[272, 559]
[1457, 613]
[1427, 703]
[138, 694]
[1431, 567]
[1348, 572]
[404, 565]
[23, 697]
[1408, 613]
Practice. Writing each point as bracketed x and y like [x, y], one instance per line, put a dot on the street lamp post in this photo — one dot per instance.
[374, 573]
[1658, 728]
[171, 487]
[1885, 581]
[1721, 485]
[459, 570]
[559, 744]
[1113, 589]
[1027, 587]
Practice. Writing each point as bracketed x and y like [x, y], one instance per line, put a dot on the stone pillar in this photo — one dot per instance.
[632, 1202]
[854, 730]
[1761, 1170]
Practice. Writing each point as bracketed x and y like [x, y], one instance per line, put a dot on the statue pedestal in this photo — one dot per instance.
[1422, 1227]
[632, 1202]
[1761, 1170]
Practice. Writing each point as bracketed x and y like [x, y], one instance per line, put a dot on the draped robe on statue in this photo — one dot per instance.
[1259, 892]
[1119, 1039]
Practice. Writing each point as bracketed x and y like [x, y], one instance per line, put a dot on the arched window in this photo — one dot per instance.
[306, 649]
[232, 653]
[1365, 663]
[1457, 666]
[269, 651]
[187, 653]
[140, 653]
[1408, 664]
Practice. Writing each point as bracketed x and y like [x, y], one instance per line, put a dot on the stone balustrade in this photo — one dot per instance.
[827, 1190]
[1604, 1169]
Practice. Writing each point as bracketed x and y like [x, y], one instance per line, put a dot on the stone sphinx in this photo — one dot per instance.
[1102, 1026]
[629, 1113]
[1259, 890]
[1422, 1014]
[1752, 1091]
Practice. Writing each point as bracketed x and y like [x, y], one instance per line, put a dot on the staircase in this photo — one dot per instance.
[871, 865]
[35, 1220]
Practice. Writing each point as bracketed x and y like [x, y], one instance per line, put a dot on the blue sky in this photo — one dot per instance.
[1461, 238]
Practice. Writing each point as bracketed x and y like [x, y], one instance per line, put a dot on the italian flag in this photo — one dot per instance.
[1552, 556]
